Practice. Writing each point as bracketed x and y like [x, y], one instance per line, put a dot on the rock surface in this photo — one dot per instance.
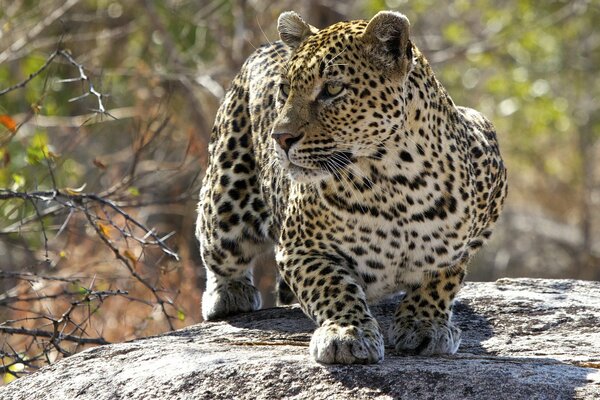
[522, 339]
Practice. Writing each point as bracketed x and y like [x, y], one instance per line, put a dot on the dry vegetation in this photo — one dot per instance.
[105, 112]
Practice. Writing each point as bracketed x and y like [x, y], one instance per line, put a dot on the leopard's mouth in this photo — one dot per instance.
[324, 166]
[304, 174]
[336, 161]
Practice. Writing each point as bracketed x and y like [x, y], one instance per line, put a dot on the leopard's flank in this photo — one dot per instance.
[341, 150]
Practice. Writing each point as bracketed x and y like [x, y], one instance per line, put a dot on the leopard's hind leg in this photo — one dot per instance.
[232, 216]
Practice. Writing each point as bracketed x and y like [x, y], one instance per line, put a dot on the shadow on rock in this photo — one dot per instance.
[474, 372]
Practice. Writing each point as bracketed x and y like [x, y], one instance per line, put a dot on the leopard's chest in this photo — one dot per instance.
[386, 255]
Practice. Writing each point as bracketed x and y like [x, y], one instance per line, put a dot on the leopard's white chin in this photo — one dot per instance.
[305, 175]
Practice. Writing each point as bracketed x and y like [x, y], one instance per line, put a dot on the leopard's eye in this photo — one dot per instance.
[333, 89]
[284, 89]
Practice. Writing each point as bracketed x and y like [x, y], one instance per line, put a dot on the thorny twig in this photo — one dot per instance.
[44, 339]
[83, 77]
[128, 264]
[79, 201]
[29, 276]
[42, 335]
[36, 29]
[32, 75]
[55, 335]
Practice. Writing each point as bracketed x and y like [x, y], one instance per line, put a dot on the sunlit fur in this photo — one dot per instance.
[384, 186]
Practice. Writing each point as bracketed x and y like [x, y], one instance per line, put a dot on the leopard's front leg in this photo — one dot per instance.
[422, 323]
[327, 291]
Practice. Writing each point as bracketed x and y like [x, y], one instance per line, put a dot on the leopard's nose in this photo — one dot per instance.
[286, 139]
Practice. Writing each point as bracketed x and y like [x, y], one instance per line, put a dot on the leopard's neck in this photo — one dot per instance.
[425, 99]
[405, 167]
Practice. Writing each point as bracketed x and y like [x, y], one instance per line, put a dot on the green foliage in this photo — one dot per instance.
[530, 66]
[37, 151]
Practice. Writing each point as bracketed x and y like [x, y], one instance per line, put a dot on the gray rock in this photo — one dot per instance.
[522, 339]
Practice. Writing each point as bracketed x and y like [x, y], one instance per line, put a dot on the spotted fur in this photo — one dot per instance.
[341, 150]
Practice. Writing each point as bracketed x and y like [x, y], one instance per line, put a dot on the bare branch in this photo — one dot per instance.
[37, 29]
[127, 263]
[41, 333]
[32, 75]
[29, 276]
[83, 77]
[41, 221]
[74, 200]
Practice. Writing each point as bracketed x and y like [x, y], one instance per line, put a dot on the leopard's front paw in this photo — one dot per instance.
[333, 344]
[425, 337]
[229, 298]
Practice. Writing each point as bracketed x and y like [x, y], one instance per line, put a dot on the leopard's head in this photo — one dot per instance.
[340, 95]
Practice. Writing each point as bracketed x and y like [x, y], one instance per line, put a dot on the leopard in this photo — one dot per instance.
[339, 151]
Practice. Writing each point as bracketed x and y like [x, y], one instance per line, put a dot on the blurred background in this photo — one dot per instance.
[103, 149]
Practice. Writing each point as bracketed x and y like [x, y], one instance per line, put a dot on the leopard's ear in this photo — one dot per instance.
[387, 37]
[292, 29]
